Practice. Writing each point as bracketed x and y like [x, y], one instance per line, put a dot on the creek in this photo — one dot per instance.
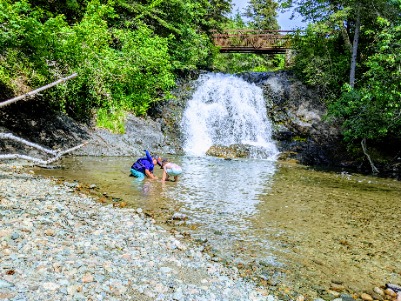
[288, 226]
[302, 228]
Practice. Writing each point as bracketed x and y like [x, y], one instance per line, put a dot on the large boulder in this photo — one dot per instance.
[229, 152]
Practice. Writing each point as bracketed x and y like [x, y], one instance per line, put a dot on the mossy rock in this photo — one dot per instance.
[229, 152]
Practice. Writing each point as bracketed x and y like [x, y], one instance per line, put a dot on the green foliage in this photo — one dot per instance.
[118, 69]
[111, 119]
[321, 59]
[246, 62]
[72, 10]
[262, 14]
[186, 24]
[373, 111]
[192, 51]
[126, 52]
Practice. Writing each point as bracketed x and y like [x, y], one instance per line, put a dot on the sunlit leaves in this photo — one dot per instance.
[262, 14]
[373, 111]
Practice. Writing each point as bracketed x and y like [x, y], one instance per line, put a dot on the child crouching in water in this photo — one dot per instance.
[170, 169]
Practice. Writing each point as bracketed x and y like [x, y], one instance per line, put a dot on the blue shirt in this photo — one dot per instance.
[144, 163]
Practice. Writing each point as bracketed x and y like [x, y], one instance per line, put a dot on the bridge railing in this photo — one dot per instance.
[249, 40]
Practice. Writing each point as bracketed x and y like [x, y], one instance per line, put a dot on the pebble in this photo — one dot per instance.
[4, 284]
[390, 292]
[379, 291]
[61, 245]
[366, 297]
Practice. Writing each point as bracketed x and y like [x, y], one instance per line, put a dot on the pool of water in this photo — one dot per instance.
[288, 225]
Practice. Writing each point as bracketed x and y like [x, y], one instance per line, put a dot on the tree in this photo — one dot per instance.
[345, 18]
[351, 28]
[262, 14]
[127, 52]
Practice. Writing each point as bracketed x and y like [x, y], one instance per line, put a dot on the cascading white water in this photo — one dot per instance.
[226, 110]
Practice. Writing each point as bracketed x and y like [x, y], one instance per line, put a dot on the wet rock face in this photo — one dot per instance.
[40, 125]
[297, 114]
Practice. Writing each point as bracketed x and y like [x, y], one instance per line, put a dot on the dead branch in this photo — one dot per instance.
[30, 94]
[365, 151]
[57, 155]
[26, 142]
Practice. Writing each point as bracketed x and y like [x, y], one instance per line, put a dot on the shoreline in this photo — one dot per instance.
[57, 244]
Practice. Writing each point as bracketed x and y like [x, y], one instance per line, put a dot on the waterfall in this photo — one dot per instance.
[226, 110]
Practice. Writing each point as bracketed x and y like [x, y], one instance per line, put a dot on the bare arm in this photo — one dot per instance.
[149, 174]
[164, 175]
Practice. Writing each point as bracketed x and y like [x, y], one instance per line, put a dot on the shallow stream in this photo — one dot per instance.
[289, 226]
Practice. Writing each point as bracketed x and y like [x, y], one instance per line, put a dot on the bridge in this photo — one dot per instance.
[252, 41]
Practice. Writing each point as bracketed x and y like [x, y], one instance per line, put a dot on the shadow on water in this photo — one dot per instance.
[302, 228]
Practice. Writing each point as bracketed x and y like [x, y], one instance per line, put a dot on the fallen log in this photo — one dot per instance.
[10, 136]
[57, 155]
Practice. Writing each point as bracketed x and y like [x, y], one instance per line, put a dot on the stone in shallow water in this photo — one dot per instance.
[230, 152]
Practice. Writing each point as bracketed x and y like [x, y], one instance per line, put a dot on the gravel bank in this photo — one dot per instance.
[59, 245]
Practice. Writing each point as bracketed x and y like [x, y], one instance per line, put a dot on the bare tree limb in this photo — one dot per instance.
[365, 151]
[29, 94]
[19, 156]
[61, 153]
[26, 142]
[57, 156]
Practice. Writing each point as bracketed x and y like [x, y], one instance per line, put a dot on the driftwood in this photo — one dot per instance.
[26, 142]
[30, 94]
[57, 154]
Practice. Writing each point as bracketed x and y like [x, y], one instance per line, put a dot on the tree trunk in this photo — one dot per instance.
[352, 77]
[355, 47]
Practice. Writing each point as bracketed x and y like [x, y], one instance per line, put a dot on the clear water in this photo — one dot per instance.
[308, 227]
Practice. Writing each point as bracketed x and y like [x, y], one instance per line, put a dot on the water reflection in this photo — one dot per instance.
[220, 193]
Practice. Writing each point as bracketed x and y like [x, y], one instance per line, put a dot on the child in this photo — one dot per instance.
[170, 169]
[144, 166]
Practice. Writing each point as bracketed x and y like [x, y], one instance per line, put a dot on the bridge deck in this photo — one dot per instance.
[253, 41]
